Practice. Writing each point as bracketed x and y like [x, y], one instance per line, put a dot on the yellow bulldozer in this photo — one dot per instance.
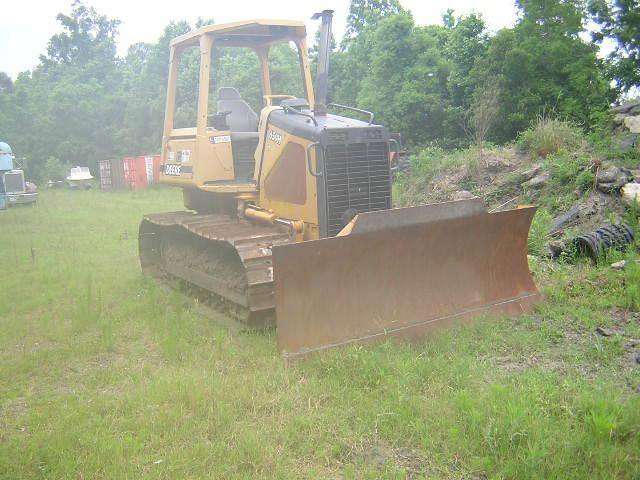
[289, 211]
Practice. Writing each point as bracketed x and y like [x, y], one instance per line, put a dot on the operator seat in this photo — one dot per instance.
[243, 123]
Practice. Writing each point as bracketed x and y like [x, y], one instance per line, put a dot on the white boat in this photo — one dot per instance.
[79, 177]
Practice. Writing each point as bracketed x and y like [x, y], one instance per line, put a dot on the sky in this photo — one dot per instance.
[27, 25]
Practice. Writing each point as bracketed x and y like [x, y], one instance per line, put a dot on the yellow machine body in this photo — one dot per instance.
[203, 154]
[289, 212]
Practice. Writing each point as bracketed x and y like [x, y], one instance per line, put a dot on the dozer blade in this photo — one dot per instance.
[401, 273]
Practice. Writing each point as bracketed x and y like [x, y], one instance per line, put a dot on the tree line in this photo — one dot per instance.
[447, 84]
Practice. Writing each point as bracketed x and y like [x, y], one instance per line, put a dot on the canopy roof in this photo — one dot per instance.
[248, 33]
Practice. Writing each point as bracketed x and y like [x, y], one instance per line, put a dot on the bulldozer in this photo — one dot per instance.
[289, 216]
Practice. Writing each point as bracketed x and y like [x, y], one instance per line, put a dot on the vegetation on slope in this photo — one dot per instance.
[560, 155]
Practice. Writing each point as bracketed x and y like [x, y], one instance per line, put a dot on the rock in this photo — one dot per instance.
[632, 124]
[631, 193]
[608, 187]
[619, 265]
[626, 143]
[631, 344]
[531, 172]
[537, 181]
[626, 107]
[618, 119]
[462, 195]
[605, 332]
[556, 248]
[611, 178]
[607, 173]
[496, 163]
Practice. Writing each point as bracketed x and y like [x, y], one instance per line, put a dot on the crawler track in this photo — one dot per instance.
[226, 257]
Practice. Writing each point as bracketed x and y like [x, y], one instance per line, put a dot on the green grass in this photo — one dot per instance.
[105, 375]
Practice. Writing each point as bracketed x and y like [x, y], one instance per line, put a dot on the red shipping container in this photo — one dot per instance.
[152, 165]
[135, 172]
[156, 168]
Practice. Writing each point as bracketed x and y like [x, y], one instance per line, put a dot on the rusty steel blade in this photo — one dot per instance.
[402, 281]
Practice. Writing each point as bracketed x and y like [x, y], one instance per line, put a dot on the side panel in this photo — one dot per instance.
[280, 148]
[402, 281]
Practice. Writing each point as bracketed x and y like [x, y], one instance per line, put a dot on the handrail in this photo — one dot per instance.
[269, 98]
[354, 109]
[288, 109]
[313, 174]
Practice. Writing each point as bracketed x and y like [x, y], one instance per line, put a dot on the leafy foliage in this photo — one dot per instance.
[435, 84]
[619, 20]
[365, 14]
[542, 64]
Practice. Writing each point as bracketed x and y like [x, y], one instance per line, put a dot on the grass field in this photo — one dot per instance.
[105, 375]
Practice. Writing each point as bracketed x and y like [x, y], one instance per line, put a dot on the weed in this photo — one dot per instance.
[538, 234]
[548, 135]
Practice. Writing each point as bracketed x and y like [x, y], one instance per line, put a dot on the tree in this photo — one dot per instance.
[367, 13]
[86, 35]
[619, 20]
[464, 43]
[544, 65]
[68, 106]
[6, 84]
[144, 89]
[406, 84]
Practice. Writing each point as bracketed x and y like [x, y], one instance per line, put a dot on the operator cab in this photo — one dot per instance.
[237, 116]
[219, 153]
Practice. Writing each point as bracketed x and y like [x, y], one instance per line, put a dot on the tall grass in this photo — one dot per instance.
[548, 135]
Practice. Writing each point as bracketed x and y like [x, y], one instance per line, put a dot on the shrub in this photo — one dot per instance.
[538, 233]
[54, 169]
[585, 180]
[549, 135]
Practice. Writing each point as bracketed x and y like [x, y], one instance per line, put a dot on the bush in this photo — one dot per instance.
[585, 180]
[549, 135]
[54, 169]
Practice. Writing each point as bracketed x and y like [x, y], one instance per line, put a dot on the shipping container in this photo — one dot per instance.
[129, 172]
[152, 165]
[156, 168]
[148, 165]
[135, 172]
[111, 174]
[105, 175]
[117, 174]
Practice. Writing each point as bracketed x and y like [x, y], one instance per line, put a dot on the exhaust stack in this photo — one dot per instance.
[322, 76]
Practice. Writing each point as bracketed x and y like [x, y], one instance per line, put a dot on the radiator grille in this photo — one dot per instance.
[14, 182]
[357, 177]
